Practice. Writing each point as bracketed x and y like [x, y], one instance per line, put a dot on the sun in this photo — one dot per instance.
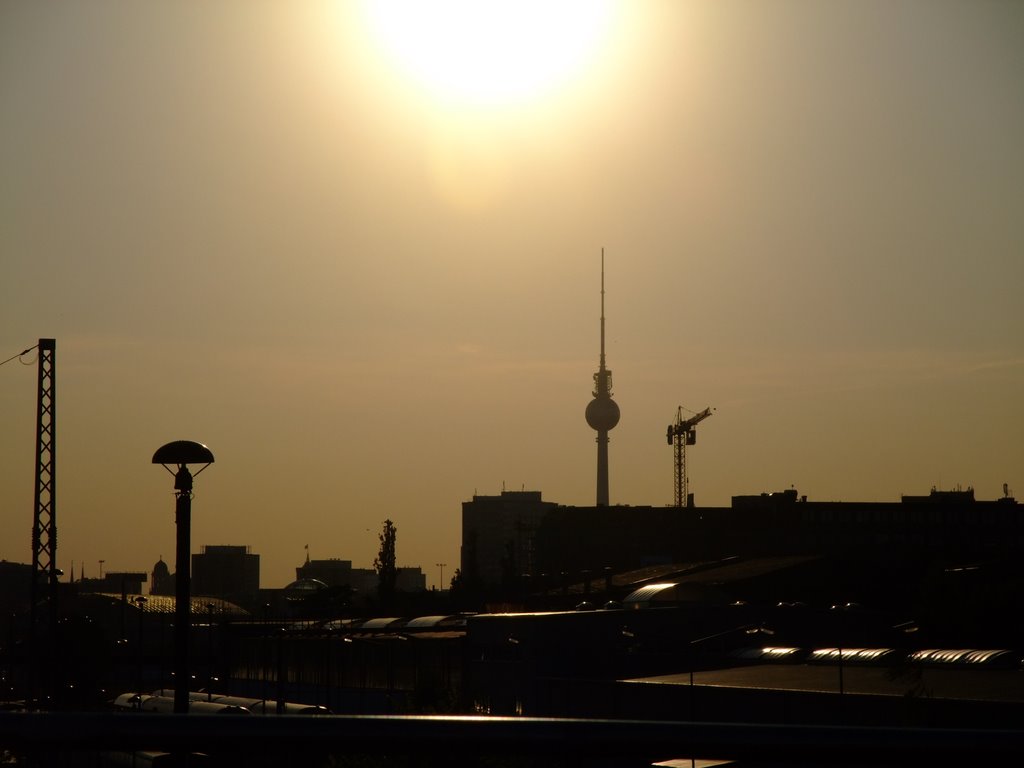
[490, 52]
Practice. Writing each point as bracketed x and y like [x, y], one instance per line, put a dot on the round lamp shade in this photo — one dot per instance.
[183, 452]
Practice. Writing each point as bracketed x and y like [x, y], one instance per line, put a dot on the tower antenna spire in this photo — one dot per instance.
[602, 309]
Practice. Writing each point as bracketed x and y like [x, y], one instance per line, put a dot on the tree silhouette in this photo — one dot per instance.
[466, 591]
[384, 564]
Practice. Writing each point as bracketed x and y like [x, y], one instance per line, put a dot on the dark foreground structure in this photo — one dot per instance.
[946, 558]
[678, 669]
[452, 741]
[779, 630]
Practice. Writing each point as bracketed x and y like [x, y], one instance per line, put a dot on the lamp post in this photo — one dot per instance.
[140, 601]
[181, 453]
[440, 585]
[841, 610]
[209, 652]
[749, 629]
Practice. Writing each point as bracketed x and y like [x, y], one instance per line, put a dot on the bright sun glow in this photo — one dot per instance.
[490, 52]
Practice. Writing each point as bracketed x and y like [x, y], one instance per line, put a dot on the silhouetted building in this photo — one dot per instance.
[335, 572]
[517, 533]
[116, 582]
[498, 535]
[163, 580]
[410, 578]
[226, 571]
[15, 587]
[941, 527]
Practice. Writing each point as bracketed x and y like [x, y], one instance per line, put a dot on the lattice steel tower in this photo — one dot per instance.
[602, 411]
[681, 434]
[44, 521]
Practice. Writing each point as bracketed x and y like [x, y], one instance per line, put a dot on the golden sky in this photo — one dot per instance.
[373, 291]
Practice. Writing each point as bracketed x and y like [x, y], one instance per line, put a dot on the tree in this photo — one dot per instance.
[384, 563]
[458, 583]
[466, 590]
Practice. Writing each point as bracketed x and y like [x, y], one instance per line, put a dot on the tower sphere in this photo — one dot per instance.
[602, 414]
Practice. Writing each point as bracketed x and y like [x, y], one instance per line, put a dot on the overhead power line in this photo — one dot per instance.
[20, 354]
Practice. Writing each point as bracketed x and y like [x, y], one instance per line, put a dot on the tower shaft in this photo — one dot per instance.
[602, 468]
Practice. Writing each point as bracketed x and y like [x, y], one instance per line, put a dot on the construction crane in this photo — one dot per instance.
[681, 434]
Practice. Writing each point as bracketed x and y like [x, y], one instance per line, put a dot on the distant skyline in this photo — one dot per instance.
[246, 225]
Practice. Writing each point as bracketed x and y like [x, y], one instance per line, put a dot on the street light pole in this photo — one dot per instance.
[209, 652]
[140, 601]
[440, 585]
[182, 586]
[182, 453]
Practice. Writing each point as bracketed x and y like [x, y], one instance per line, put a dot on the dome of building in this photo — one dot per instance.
[162, 579]
[305, 585]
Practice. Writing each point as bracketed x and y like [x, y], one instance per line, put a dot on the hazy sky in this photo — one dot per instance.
[247, 224]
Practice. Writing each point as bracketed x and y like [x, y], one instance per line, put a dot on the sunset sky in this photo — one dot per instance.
[358, 255]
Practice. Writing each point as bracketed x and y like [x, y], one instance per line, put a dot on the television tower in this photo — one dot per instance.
[602, 411]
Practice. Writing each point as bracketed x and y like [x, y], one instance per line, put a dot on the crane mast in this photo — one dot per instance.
[680, 434]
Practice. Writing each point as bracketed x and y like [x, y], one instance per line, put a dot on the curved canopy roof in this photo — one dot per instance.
[183, 452]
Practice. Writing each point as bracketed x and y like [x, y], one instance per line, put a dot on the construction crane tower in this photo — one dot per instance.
[680, 434]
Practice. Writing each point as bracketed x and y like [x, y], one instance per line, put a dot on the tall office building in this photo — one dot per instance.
[225, 571]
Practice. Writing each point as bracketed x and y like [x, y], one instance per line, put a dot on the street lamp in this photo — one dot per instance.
[181, 453]
[842, 609]
[440, 585]
[749, 629]
[140, 601]
[209, 652]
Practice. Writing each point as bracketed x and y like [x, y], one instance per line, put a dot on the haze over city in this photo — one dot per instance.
[372, 288]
